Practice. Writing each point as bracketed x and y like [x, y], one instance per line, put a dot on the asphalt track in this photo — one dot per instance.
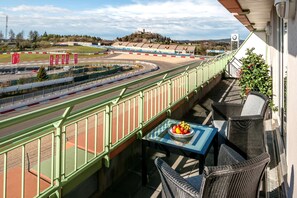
[163, 65]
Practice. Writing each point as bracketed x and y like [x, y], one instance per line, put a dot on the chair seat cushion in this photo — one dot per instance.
[254, 105]
[196, 181]
[221, 125]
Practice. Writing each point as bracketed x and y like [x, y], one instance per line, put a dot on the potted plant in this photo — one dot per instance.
[254, 75]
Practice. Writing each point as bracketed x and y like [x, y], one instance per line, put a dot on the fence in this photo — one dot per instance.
[55, 91]
[49, 155]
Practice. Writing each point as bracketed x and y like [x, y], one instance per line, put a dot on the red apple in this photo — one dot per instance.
[174, 129]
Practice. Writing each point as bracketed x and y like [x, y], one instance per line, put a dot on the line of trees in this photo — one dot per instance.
[36, 40]
[145, 37]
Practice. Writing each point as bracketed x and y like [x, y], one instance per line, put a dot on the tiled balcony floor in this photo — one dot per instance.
[129, 185]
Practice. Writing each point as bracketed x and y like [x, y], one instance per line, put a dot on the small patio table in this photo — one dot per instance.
[197, 147]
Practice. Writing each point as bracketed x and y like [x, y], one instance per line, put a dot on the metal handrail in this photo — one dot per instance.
[136, 108]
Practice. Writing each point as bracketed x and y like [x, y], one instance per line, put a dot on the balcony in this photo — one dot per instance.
[96, 150]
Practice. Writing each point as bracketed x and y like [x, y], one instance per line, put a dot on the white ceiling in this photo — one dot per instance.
[259, 11]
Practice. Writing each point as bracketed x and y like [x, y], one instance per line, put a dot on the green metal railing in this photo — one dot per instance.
[61, 148]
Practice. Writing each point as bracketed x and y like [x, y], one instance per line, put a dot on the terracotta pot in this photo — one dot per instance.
[247, 91]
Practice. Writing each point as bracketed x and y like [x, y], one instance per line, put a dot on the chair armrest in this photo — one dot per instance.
[174, 184]
[247, 134]
[222, 110]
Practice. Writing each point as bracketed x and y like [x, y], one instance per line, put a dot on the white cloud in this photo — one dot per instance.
[34, 9]
[188, 19]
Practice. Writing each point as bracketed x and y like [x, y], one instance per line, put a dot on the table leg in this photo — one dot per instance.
[201, 164]
[144, 164]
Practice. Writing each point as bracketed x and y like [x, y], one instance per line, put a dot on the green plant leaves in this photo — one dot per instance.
[254, 75]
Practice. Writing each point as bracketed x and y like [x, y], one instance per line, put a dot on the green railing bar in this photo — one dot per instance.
[96, 106]
[129, 115]
[123, 122]
[134, 113]
[38, 166]
[63, 153]
[96, 133]
[31, 115]
[117, 123]
[108, 128]
[86, 139]
[59, 141]
[52, 159]
[75, 145]
[15, 144]
[4, 174]
[19, 136]
[180, 93]
[23, 172]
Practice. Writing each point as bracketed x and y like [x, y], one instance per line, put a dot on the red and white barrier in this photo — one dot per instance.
[30, 52]
[163, 55]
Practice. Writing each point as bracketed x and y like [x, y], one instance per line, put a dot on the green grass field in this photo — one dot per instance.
[75, 49]
[6, 58]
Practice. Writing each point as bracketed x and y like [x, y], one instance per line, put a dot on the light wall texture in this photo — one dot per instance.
[292, 107]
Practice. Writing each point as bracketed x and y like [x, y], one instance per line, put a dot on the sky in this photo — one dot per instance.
[108, 19]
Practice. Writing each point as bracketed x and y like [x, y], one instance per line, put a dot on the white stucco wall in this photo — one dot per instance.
[256, 40]
[274, 60]
[292, 108]
[279, 66]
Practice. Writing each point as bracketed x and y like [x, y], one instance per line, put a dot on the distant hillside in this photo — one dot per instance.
[143, 36]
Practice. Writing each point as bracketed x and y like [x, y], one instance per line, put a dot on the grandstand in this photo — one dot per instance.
[167, 48]
[154, 47]
[150, 47]
[120, 44]
[185, 49]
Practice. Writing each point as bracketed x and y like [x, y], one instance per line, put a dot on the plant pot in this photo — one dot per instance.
[247, 91]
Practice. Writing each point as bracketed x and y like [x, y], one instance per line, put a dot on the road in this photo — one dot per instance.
[6, 77]
[163, 63]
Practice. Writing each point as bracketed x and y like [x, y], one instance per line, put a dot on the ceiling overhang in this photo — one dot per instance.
[254, 15]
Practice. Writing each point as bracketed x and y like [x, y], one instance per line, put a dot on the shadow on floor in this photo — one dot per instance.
[129, 185]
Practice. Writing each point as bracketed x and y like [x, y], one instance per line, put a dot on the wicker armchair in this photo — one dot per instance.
[243, 124]
[234, 177]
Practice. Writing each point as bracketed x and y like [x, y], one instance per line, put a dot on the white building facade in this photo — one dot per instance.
[274, 25]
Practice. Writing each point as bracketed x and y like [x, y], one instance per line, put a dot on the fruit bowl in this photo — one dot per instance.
[181, 132]
[181, 137]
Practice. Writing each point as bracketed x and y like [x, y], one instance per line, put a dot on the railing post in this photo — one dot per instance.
[169, 97]
[202, 76]
[188, 82]
[196, 78]
[141, 109]
[58, 137]
[108, 131]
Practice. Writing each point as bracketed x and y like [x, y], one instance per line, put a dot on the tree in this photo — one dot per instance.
[33, 36]
[20, 36]
[24, 44]
[42, 75]
[1, 35]
[44, 34]
[43, 44]
[11, 34]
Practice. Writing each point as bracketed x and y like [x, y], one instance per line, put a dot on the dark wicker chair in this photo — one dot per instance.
[242, 124]
[234, 177]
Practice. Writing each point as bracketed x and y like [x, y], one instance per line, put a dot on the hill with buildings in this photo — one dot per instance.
[144, 37]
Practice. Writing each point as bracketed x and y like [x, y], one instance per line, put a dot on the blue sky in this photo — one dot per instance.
[178, 19]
